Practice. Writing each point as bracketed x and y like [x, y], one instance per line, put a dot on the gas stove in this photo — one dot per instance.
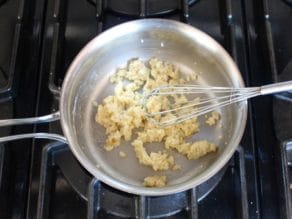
[42, 179]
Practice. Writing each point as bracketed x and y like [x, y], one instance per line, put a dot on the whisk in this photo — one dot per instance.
[204, 99]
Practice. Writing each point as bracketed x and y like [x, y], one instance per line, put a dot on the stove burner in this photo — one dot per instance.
[108, 199]
[142, 7]
[122, 204]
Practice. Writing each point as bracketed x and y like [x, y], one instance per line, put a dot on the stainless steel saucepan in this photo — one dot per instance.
[87, 80]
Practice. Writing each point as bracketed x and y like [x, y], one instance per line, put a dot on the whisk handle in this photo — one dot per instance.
[276, 87]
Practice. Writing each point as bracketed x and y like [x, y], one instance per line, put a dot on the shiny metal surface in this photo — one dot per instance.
[39, 135]
[33, 120]
[87, 80]
[211, 98]
[276, 88]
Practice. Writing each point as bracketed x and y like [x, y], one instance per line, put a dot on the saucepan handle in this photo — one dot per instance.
[39, 135]
[33, 120]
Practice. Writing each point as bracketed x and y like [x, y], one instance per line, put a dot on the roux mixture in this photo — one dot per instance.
[122, 115]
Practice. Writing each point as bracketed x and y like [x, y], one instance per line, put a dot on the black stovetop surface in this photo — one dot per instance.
[42, 179]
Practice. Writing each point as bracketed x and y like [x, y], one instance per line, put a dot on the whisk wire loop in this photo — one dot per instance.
[203, 100]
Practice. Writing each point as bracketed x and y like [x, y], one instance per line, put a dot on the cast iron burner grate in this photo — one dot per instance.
[61, 44]
[102, 198]
[289, 2]
[12, 38]
[1, 163]
[44, 37]
[286, 180]
[142, 8]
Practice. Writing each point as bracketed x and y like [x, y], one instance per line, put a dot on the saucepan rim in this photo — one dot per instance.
[97, 172]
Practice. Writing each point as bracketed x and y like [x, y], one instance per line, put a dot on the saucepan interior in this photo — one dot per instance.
[87, 80]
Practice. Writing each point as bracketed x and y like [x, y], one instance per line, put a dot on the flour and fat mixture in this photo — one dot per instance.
[124, 117]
